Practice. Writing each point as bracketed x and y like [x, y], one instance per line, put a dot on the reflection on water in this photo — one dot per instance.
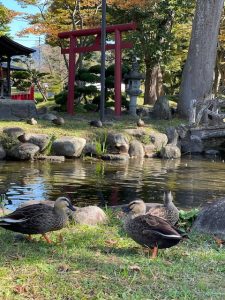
[193, 181]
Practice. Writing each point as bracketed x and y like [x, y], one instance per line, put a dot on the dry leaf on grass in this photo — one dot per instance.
[135, 268]
[20, 289]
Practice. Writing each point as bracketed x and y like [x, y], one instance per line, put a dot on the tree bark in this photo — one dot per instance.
[153, 84]
[197, 77]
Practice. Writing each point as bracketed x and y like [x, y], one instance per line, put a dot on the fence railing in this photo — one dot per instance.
[29, 95]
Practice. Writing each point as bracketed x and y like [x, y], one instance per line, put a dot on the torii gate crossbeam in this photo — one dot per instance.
[96, 46]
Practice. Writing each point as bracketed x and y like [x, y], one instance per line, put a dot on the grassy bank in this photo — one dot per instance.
[78, 125]
[102, 263]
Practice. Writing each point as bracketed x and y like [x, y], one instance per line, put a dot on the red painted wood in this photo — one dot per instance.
[124, 45]
[96, 46]
[71, 79]
[92, 31]
[23, 95]
[118, 73]
[32, 92]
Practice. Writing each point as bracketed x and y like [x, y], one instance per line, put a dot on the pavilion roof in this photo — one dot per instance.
[10, 48]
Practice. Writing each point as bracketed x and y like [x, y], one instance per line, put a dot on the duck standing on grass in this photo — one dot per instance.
[38, 218]
[147, 230]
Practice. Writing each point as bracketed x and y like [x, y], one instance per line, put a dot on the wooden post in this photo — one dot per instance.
[71, 79]
[32, 92]
[8, 77]
[117, 73]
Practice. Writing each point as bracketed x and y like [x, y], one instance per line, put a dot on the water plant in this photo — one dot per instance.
[2, 201]
[100, 143]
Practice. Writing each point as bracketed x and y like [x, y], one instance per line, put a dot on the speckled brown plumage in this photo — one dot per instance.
[147, 230]
[167, 211]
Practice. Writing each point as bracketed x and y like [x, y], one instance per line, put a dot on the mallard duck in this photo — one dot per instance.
[167, 211]
[38, 218]
[147, 230]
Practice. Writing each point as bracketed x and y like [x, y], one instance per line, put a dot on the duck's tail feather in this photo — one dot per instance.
[166, 236]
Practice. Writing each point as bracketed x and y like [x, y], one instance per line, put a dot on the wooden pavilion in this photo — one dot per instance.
[8, 49]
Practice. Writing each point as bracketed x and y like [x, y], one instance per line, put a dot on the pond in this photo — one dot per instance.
[192, 180]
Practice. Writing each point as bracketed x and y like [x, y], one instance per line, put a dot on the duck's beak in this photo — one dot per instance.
[126, 209]
[71, 207]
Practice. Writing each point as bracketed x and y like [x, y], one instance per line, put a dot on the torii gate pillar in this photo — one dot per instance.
[96, 46]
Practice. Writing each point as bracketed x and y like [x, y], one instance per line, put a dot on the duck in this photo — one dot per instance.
[140, 123]
[167, 211]
[148, 230]
[96, 123]
[38, 218]
[58, 121]
[88, 215]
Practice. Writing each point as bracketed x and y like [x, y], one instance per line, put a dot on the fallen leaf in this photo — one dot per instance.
[168, 263]
[111, 242]
[135, 268]
[63, 268]
[185, 254]
[104, 277]
[20, 289]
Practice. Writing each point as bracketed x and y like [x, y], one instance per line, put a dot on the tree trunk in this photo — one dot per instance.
[153, 84]
[197, 77]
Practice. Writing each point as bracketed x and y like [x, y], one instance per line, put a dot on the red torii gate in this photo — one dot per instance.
[96, 46]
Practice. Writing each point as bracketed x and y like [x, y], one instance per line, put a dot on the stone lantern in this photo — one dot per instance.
[134, 83]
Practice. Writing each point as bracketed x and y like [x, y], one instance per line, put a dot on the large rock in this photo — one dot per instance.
[17, 110]
[136, 149]
[150, 150]
[2, 153]
[159, 140]
[172, 135]
[117, 142]
[136, 132]
[192, 144]
[24, 151]
[41, 140]
[68, 146]
[211, 219]
[170, 151]
[90, 149]
[13, 131]
[90, 215]
[48, 117]
[161, 109]
[115, 157]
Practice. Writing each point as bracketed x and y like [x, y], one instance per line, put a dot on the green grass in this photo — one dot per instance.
[78, 125]
[102, 263]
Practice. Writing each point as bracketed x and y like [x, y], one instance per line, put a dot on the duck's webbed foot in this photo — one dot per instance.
[154, 252]
[46, 238]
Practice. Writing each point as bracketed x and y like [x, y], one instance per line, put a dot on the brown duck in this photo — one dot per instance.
[147, 230]
[167, 211]
[38, 218]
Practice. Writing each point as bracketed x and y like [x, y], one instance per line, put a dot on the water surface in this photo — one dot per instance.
[193, 181]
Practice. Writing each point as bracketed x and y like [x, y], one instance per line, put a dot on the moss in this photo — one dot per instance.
[8, 141]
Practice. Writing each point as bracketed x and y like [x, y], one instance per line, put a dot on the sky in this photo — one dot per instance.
[18, 24]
